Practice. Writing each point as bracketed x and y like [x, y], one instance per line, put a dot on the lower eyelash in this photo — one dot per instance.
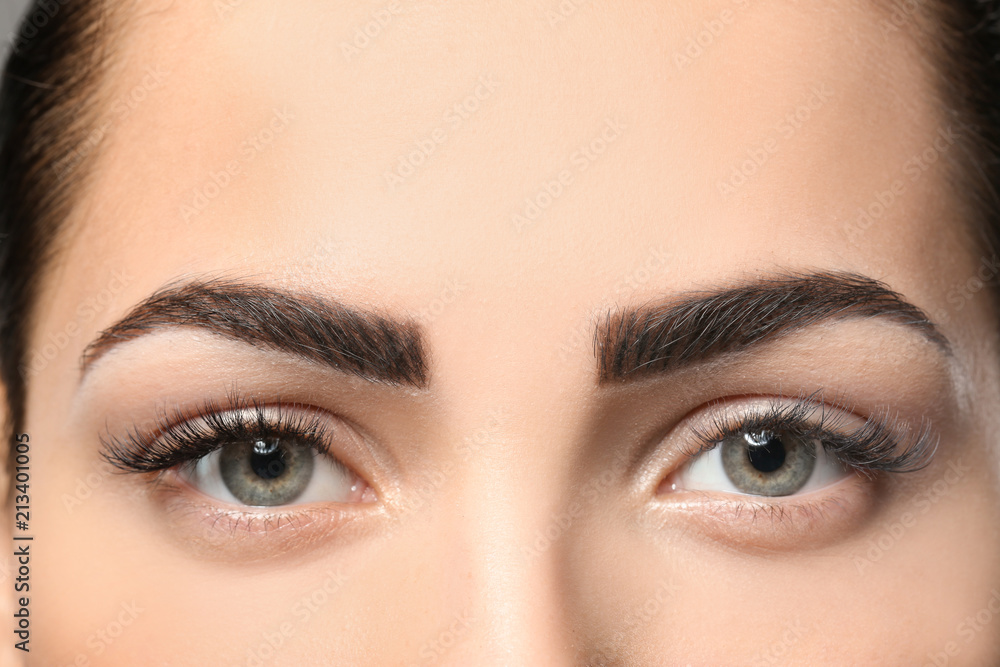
[770, 526]
[180, 438]
[776, 512]
[882, 444]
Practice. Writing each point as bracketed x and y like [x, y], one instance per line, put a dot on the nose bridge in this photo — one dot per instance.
[515, 608]
[511, 422]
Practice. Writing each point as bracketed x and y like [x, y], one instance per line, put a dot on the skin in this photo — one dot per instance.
[637, 577]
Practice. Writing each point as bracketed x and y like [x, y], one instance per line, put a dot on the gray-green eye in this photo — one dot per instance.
[764, 463]
[267, 472]
[769, 464]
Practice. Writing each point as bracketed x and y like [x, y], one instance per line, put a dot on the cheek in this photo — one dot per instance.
[675, 595]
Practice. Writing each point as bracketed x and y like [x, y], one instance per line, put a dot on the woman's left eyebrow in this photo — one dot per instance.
[348, 339]
[660, 337]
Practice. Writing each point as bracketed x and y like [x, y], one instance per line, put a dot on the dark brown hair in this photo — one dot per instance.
[48, 107]
[968, 66]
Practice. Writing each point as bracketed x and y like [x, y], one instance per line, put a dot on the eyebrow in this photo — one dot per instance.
[354, 341]
[657, 338]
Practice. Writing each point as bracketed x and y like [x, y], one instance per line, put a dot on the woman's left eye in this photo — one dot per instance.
[761, 463]
[271, 471]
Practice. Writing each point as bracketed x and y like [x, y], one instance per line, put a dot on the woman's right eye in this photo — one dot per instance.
[272, 471]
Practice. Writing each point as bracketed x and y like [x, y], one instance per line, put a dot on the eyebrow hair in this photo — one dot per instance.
[661, 337]
[358, 342]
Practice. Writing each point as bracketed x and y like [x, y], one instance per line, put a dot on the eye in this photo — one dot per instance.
[272, 471]
[247, 454]
[777, 446]
[762, 463]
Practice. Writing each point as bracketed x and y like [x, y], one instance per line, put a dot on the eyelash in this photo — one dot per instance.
[181, 439]
[881, 445]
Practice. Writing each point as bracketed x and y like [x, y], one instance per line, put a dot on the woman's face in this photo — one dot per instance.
[515, 270]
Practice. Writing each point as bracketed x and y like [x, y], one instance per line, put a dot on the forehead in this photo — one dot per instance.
[384, 149]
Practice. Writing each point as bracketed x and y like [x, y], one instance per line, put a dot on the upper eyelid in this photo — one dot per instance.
[367, 447]
[881, 432]
[778, 410]
[208, 410]
[137, 444]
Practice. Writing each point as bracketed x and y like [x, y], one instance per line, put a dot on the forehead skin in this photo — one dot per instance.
[684, 126]
[673, 96]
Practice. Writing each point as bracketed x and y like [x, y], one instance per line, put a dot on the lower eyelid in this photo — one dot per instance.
[215, 531]
[811, 520]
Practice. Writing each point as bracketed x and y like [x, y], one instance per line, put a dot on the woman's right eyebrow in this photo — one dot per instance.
[362, 343]
[656, 338]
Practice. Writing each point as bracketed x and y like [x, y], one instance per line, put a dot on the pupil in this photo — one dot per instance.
[267, 460]
[766, 452]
